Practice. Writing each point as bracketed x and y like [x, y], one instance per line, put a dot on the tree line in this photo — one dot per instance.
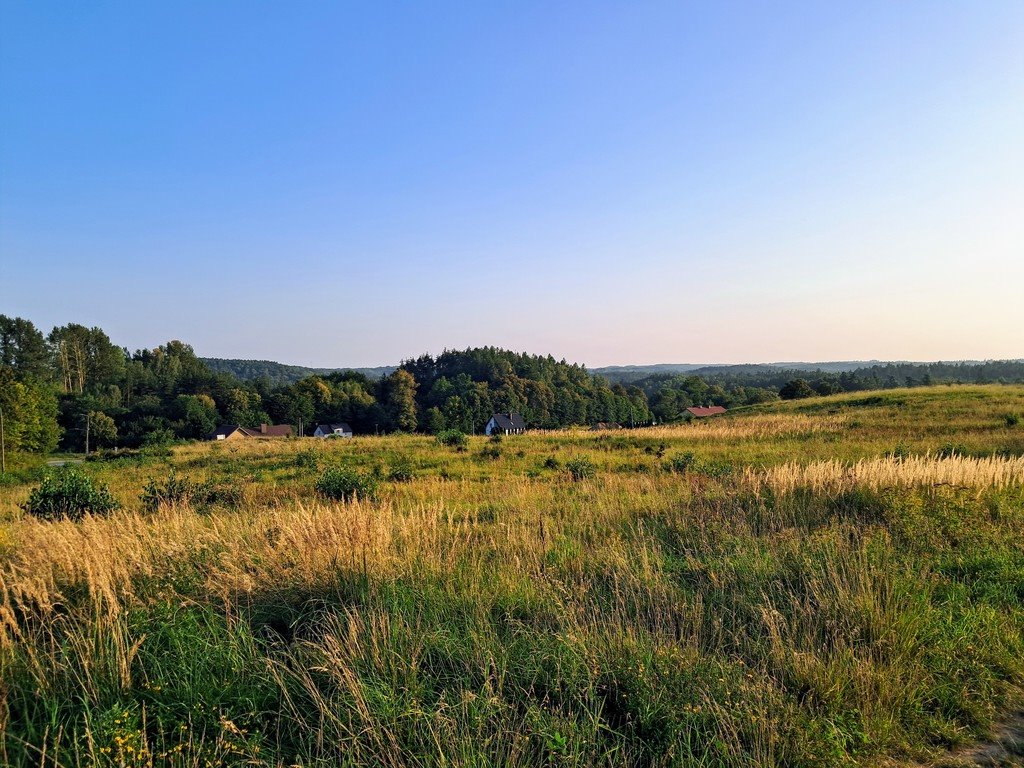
[74, 387]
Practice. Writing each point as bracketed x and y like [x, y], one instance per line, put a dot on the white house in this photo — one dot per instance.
[506, 424]
[333, 430]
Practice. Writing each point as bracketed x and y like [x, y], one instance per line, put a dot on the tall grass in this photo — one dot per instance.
[891, 472]
[496, 612]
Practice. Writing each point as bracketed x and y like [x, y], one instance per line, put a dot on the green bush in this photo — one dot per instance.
[69, 493]
[901, 451]
[453, 438]
[580, 468]
[175, 490]
[1012, 419]
[308, 459]
[552, 462]
[490, 452]
[345, 484]
[401, 470]
[682, 463]
[948, 450]
[223, 494]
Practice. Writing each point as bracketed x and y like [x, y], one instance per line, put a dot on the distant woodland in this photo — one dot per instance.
[72, 383]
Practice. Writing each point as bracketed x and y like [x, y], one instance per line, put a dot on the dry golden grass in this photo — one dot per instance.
[756, 426]
[494, 612]
[890, 472]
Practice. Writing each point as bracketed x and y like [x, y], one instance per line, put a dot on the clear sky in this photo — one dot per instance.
[351, 184]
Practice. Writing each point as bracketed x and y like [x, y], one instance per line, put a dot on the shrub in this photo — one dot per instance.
[174, 490]
[227, 495]
[345, 484]
[495, 437]
[453, 438]
[948, 450]
[1012, 419]
[580, 468]
[552, 462]
[401, 470]
[682, 463]
[308, 459]
[901, 451]
[68, 493]
[490, 452]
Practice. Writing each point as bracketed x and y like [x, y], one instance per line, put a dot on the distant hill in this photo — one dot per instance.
[280, 373]
[628, 373]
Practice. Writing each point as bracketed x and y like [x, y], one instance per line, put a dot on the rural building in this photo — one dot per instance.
[333, 430]
[505, 424]
[699, 413]
[605, 425]
[236, 431]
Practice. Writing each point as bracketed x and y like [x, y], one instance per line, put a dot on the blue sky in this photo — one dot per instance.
[343, 184]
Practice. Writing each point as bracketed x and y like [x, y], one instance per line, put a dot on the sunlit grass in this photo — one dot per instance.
[830, 582]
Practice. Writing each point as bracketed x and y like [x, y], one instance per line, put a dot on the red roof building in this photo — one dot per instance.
[700, 413]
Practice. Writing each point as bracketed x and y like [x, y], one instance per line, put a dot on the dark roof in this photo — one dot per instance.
[712, 410]
[332, 427]
[223, 429]
[272, 430]
[509, 420]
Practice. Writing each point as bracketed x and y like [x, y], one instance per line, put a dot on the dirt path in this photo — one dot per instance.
[1004, 748]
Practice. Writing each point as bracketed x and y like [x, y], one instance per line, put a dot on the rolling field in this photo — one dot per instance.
[826, 582]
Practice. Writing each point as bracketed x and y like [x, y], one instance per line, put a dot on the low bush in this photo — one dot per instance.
[901, 451]
[69, 493]
[345, 484]
[948, 450]
[453, 438]
[180, 490]
[308, 459]
[492, 452]
[1012, 419]
[580, 468]
[682, 463]
[174, 490]
[552, 462]
[401, 470]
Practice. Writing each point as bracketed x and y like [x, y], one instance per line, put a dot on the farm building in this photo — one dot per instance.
[605, 425]
[700, 413]
[333, 430]
[236, 431]
[506, 424]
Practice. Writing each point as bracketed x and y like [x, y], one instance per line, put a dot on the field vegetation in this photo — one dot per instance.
[827, 581]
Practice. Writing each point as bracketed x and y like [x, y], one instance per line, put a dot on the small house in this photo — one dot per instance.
[237, 431]
[511, 423]
[699, 413]
[333, 430]
[601, 425]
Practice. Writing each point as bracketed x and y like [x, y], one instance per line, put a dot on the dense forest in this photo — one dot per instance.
[276, 374]
[74, 387]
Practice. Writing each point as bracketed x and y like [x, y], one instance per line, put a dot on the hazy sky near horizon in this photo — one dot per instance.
[352, 184]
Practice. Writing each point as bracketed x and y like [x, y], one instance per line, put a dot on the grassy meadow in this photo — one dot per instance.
[826, 582]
